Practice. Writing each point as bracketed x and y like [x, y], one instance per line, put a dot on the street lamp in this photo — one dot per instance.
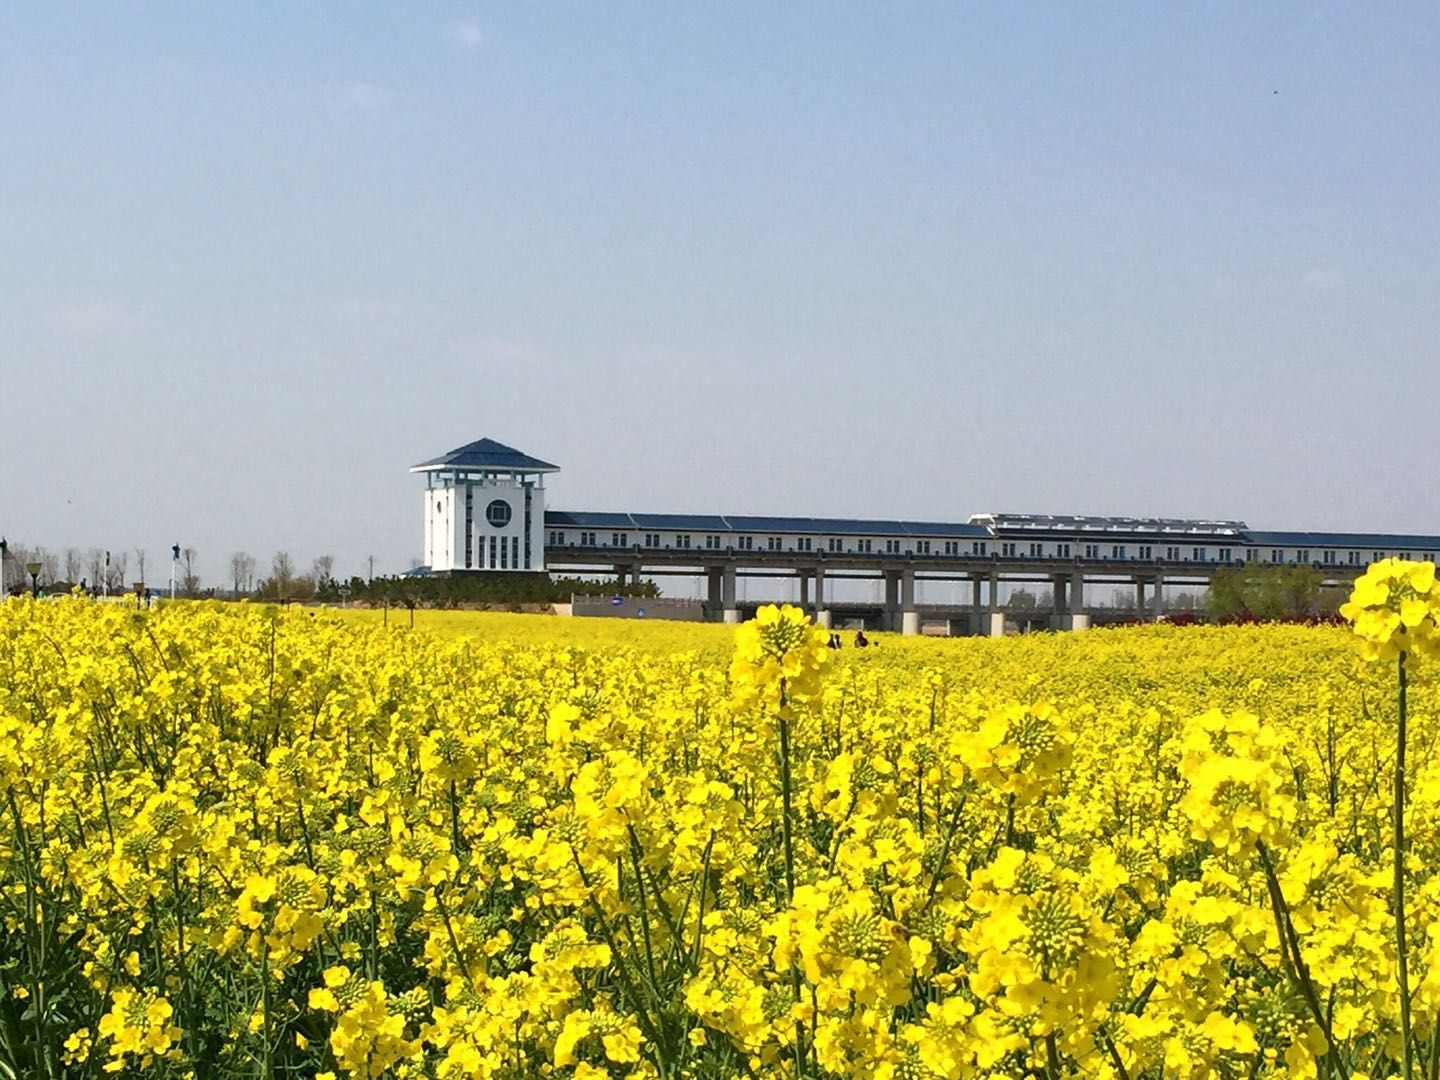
[33, 568]
[174, 567]
[4, 558]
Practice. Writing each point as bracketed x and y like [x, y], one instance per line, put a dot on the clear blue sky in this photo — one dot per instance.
[860, 260]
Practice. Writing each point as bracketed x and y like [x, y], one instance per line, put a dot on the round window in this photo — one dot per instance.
[498, 513]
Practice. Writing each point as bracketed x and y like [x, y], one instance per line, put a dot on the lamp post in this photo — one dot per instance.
[174, 567]
[4, 558]
[33, 568]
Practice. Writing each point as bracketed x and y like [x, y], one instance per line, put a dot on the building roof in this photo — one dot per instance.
[565, 519]
[486, 455]
[1356, 541]
[717, 523]
[681, 522]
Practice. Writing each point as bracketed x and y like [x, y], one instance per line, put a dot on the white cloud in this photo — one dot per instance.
[466, 35]
[1324, 279]
[360, 94]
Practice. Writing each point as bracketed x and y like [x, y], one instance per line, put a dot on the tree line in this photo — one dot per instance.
[97, 571]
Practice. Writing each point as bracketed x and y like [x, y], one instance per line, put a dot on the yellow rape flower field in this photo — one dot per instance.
[244, 842]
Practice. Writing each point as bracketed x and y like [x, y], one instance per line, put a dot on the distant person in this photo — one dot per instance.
[835, 642]
[860, 639]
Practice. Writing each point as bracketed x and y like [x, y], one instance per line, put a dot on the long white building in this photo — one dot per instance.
[485, 512]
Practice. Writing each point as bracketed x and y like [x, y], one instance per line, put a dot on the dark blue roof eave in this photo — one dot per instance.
[487, 454]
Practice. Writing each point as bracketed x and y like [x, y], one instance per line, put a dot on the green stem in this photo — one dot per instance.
[267, 1060]
[1398, 825]
[785, 785]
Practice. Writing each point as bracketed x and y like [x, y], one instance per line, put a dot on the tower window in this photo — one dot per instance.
[498, 513]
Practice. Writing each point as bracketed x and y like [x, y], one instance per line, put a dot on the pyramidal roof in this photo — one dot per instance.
[486, 455]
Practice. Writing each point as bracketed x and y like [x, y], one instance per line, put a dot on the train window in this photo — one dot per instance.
[834, 543]
[1198, 554]
[1092, 551]
[1224, 555]
[892, 547]
[587, 539]
[979, 546]
[1173, 554]
[712, 543]
[1145, 552]
[1007, 551]
[802, 544]
[1036, 550]
[863, 546]
[1117, 551]
[1062, 550]
[1328, 557]
[745, 543]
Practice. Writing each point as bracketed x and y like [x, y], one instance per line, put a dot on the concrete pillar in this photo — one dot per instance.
[729, 612]
[1158, 600]
[822, 614]
[620, 576]
[891, 618]
[994, 591]
[1057, 602]
[909, 617]
[975, 604]
[804, 590]
[822, 618]
[994, 624]
[713, 591]
[1140, 597]
[1076, 619]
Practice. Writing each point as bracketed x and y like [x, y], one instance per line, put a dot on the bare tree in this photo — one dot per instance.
[115, 572]
[72, 565]
[323, 568]
[140, 563]
[189, 581]
[49, 565]
[282, 570]
[242, 572]
[96, 562]
[16, 579]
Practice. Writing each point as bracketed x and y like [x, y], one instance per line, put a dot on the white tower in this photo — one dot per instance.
[484, 509]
